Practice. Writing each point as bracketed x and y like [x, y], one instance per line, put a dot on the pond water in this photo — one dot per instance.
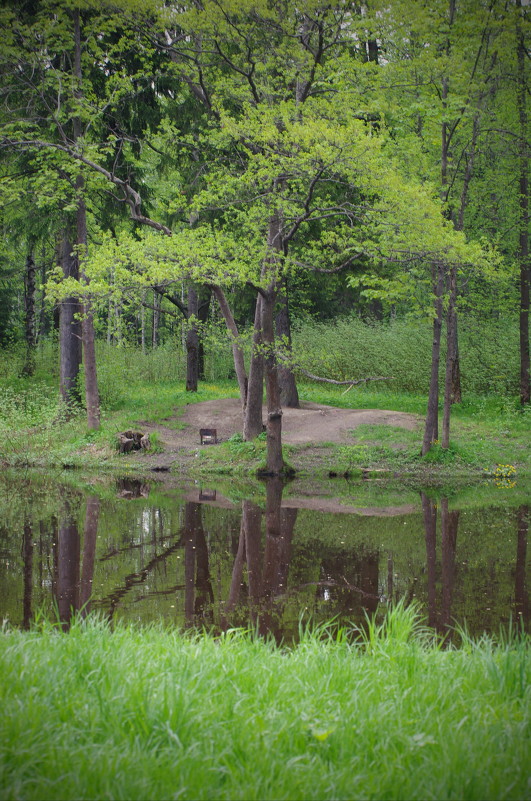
[263, 555]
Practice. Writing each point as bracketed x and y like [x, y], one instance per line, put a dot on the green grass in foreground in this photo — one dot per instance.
[150, 713]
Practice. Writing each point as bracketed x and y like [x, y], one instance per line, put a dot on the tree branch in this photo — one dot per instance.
[131, 196]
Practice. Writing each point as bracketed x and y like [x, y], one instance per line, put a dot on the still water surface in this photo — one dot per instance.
[224, 556]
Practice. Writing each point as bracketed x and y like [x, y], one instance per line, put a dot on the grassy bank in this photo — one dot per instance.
[150, 713]
[487, 429]
[486, 432]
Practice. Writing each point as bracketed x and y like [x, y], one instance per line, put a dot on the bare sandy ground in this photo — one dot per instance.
[312, 423]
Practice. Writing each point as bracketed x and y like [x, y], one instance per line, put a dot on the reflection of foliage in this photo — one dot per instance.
[503, 476]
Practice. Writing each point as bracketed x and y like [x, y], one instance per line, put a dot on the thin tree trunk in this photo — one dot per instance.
[451, 356]
[203, 310]
[92, 398]
[275, 462]
[523, 250]
[29, 304]
[289, 397]
[252, 421]
[237, 350]
[69, 333]
[157, 300]
[431, 429]
[192, 342]
[143, 323]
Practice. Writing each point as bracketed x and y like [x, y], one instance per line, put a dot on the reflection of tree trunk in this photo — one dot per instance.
[252, 523]
[431, 430]
[89, 552]
[369, 574]
[27, 552]
[390, 576]
[288, 518]
[67, 582]
[276, 554]
[521, 595]
[195, 555]
[252, 423]
[274, 541]
[449, 523]
[204, 600]
[429, 511]
[237, 571]
[288, 388]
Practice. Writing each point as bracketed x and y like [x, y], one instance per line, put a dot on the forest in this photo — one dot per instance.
[264, 399]
[265, 190]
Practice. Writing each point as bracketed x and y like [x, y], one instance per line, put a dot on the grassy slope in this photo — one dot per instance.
[146, 713]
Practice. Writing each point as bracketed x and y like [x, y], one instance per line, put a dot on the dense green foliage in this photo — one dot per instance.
[147, 713]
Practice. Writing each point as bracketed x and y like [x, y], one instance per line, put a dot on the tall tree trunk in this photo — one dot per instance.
[237, 350]
[289, 397]
[92, 398]
[431, 429]
[29, 317]
[69, 333]
[523, 250]
[451, 356]
[192, 342]
[205, 296]
[252, 420]
[157, 300]
[143, 323]
[275, 462]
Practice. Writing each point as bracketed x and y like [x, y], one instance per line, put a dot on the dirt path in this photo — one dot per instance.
[312, 424]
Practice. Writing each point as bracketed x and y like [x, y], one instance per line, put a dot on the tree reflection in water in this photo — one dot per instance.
[73, 590]
[269, 574]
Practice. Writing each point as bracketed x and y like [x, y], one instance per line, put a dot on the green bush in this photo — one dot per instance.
[401, 349]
